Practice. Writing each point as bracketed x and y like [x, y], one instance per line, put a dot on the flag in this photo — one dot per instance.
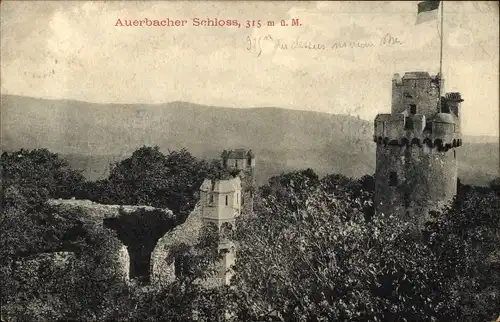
[427, 10]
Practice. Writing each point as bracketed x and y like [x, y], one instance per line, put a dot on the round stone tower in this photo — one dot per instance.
[416, 164]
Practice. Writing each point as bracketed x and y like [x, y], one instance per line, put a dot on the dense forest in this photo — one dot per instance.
[313, 250]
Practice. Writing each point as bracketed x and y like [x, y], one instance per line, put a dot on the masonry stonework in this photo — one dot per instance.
[416, 164]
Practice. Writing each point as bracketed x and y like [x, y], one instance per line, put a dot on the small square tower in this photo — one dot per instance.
[239, 159]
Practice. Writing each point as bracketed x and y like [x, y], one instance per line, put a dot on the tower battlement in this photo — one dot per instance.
[440, 132]
[418, 116]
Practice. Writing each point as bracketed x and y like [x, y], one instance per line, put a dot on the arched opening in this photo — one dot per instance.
[428, 142]
[405, 142]
[140, 232]
[386, 140]
[438, 143]
[415, 141]
[379, 140]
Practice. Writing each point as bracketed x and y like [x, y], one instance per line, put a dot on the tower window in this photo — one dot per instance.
[393, 179]
[408, 123]
[413, 109]
[445, 107]
[236, 163]
[211, 198]
[226, 200]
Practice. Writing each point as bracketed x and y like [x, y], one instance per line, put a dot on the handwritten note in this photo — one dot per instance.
[256, 44]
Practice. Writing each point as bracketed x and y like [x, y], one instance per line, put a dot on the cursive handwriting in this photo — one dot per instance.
[388, 39]
[269, 45]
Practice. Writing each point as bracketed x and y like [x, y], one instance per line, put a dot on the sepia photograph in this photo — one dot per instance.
[234, 161]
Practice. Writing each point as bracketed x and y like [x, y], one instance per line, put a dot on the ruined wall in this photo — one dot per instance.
[99, 216]
[248, 187]
[162, 261]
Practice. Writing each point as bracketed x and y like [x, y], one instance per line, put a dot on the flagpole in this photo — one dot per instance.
[441, 57]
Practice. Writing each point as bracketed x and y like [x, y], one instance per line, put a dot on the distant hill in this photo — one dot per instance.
[93, 135]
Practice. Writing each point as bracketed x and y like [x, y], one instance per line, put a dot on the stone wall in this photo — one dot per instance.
[98, 214]
[162, 261]
[425, 179]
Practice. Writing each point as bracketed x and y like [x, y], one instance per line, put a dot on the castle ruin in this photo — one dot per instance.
[416, 162]
[221, 203]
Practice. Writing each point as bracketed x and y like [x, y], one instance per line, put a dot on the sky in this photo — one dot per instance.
[75, 50]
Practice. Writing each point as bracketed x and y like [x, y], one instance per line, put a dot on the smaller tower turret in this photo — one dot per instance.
[240, 159]
[221, 205]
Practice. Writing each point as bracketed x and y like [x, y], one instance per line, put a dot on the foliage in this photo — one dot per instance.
[149, 177]
[36, 290]
[309, 255]
[312, 250]
[466, 239]
[188, 298]
[35, 172]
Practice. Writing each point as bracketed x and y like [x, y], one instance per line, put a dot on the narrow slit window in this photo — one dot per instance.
[413, 109]
[393, 179]
[226, 200]
[407, 199]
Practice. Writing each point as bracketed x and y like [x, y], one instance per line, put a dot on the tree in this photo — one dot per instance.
[88, 287]
[188, 298]
[309, 255]
[151, 178]
[36, 170]
[466, 240]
